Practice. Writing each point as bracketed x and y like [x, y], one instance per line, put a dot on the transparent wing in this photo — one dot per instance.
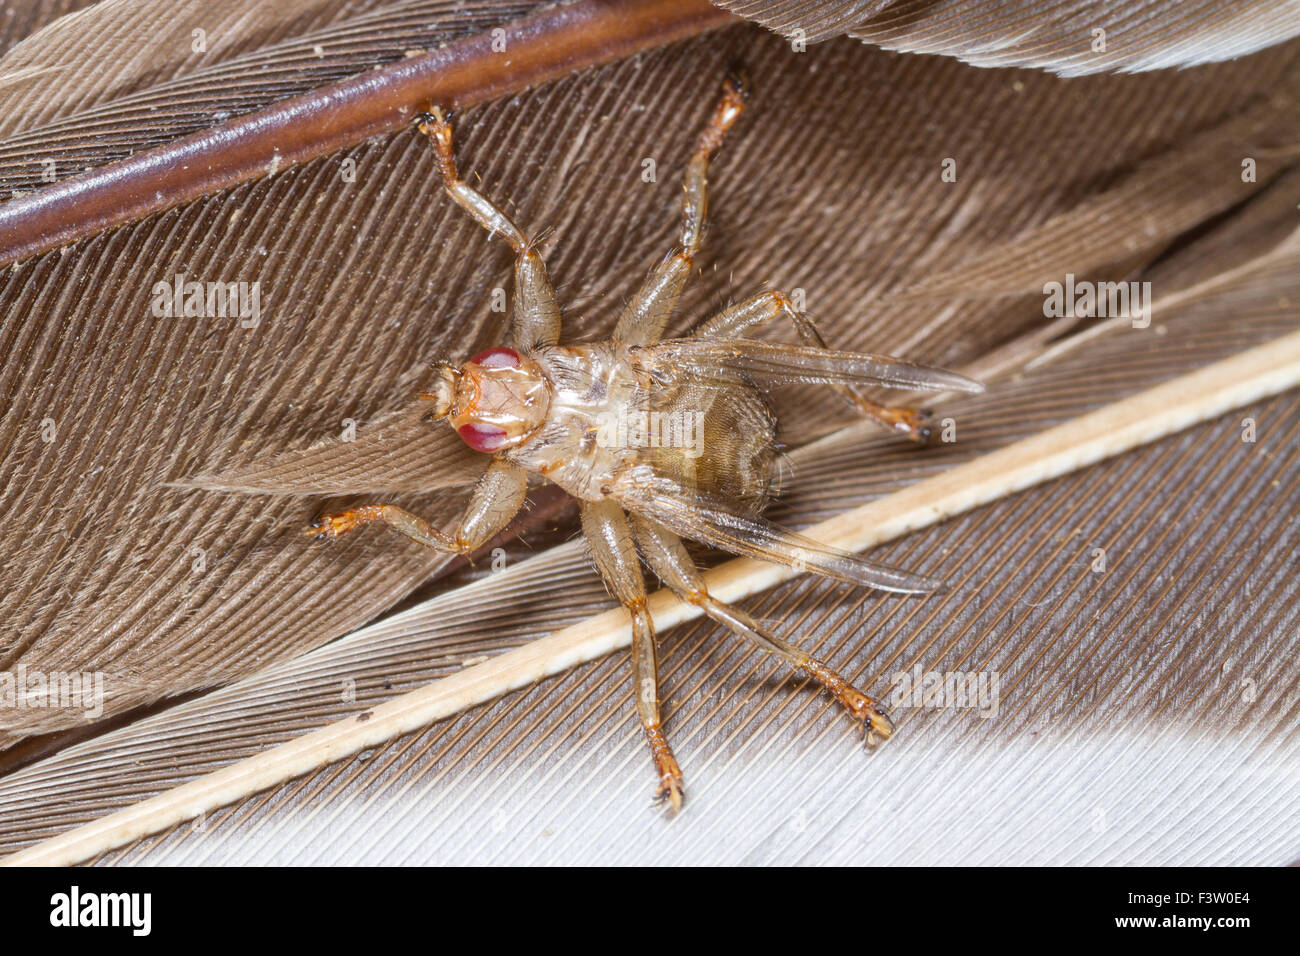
[693, 515]
[777, 363]
[395, 451]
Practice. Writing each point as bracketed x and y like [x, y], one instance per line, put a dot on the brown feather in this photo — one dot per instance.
[1058, 35]
[833, 186]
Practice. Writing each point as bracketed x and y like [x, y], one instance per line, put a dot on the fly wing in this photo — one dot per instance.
[396, 451]
[693, 515]
[776, 363]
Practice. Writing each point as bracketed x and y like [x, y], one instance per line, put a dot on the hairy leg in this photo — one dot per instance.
[606, 528]
[536, 320]
[645, 317]
[757, 311]
[496, 499]
[666, 554]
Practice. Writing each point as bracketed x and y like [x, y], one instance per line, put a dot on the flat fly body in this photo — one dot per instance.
[658, 439]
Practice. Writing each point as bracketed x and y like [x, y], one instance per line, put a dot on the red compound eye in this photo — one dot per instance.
[482, 437]
[500, 357]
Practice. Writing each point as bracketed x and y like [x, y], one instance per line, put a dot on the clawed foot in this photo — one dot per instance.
[331, 526]
[918, 425]
[876, 725]
[915, 423]
[670, 789]
[435, 125]
[670, 775]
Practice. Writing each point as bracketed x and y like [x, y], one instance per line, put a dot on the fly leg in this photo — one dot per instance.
[666, 554]
[496, 499]
[645, 317]
[757, 311]
[606, 528]
[536, 319]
